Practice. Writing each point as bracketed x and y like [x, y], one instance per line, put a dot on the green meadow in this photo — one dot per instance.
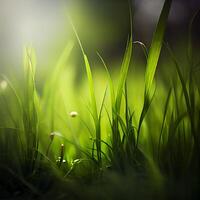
[125, 132]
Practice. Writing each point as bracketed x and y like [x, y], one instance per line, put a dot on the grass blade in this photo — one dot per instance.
[123, 73]
[93, 99]
[152, 61]
[154, 52]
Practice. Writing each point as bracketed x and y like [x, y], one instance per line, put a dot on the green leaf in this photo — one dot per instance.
[152, 61]
[155, 48]
[123, 73]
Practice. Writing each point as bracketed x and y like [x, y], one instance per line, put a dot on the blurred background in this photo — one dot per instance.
[103, 26]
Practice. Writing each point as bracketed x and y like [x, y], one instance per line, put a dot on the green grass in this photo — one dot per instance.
[143, 144]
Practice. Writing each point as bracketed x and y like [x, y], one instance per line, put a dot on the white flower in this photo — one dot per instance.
[73, 114]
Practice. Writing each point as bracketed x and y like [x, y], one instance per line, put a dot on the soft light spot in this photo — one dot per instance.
[3, 84]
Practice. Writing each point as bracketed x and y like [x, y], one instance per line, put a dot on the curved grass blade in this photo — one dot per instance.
[144, 48]
[164, 119]
[112, 92]
[93, 98]
[123, 73]
[154, 52]
[152, 61]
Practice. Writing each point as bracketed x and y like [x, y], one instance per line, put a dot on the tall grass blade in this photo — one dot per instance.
[31, 109]
[156, 45]
[123, 73]
[112, 92]
[92, 97]
[152, 61]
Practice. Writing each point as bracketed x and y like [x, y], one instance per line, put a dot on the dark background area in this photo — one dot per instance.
[145, 17]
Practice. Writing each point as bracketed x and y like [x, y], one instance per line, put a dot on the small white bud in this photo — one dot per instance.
[51, 136]
[73, 114]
